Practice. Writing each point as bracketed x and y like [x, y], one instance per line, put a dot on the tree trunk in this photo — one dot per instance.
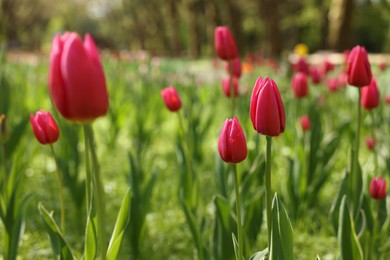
[175, 34]
[269, 11]
[340, 17]
[195, 11]
[235, 16]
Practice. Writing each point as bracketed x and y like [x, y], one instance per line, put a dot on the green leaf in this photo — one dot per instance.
[348, 242]
[16, 134]
[334, 210]
[61, 249]
[119, 229]
[281, 233]
[91, 237]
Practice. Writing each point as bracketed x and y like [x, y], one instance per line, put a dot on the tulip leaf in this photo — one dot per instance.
[91, 233]
[348, 241]
[120, 226]
[61, 249]
[281, 246]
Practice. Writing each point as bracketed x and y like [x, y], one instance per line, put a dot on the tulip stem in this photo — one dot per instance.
[97, 185]
[268, 191]
[238, 212]
[5, 181]
[231, 87]
[355, 166]
[59, 181]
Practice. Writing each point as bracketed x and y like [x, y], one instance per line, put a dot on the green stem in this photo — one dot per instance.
[189, 179]
[373, 127]
[5, 180]
[268, 191]
[355, 166]
[98, 191]
[231, 86]
[238, 212]
[59, 181]
[88, 178]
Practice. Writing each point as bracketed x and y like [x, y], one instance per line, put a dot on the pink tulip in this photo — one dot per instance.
[232, 143]
[44, 127]
[266, 108]
[378, 188]
[224, 44]
[358, 67]
[227, 88]
[77, 83]
[171, 98]
[299, 85]
[370, 95]
[305, 123]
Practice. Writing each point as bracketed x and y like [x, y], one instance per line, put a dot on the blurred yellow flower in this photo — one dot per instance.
[301, 49]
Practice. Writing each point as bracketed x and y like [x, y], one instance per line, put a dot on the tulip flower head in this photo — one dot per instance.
[77, 83]
[226, 86]
[305, 123]
[266, 108]
[44, 127]
[332, 84]
[224, 44]
[315, 75]
[387, 99]
[299, 85]
[358, 67]
[232, 143]
[234, 68]
[171, 98]
[370, 95]
[378, 188]
[370, 143]
[301, 65]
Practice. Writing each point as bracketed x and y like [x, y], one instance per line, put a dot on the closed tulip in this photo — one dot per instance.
[77, 83]
[232, 143]
[266, 108]
[234, 67]
[299, 85]
[224, 44]
[44, 127]
[332, 84]
[301, 65]
[378, 188]
[370, 143]
[370, 95]
[305, 123]
[227, 88]
[315, 75]
[171, 98]
[358, 67]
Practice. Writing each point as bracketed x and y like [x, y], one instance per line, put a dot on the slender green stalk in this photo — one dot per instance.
[373, 135]
[231, 87]
[59, 181]
[88, 177]
[268, 191]
[238, 213]
[355, 166]
[98, 191]
[5, 180]
[188, 158]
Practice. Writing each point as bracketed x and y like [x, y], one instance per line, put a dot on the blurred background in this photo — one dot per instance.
[186, 27]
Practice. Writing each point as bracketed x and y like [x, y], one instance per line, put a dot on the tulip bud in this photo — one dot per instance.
[315, 75]
[358, 67]
[378, 188]
[171, 98]
[299, 85]
[305, 123]
[332, 84]
[234, 67]
[327, 66]
[232, 143]
[387, 99]
[370, 95]
[370, 143]
[226, 87]
[342, 79]
[301, 66]
[266, 108]
[224, 44]
[77, 83]
[44, 127]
